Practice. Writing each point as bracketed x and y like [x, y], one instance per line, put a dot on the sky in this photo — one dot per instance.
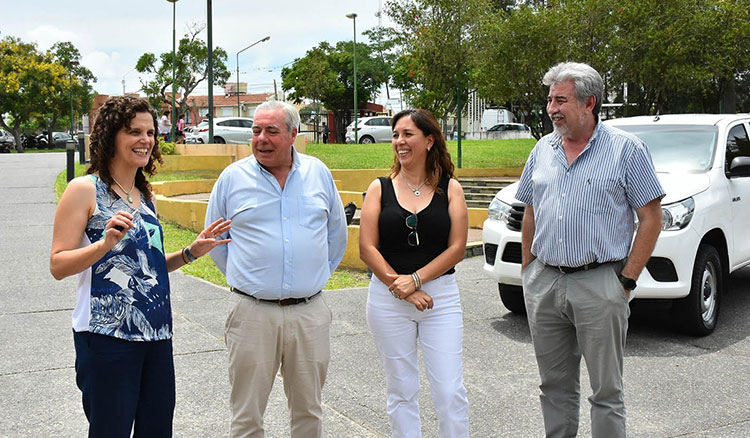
[112, 34]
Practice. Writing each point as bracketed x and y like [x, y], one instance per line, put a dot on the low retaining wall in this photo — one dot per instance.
[186, 162]
[191, 214]
[187, 214]
[359, 179]
[183, 187]
[236, 151]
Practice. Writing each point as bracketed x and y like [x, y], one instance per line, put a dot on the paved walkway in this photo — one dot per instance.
[676, 386]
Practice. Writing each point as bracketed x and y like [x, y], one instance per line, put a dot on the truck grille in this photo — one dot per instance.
[516, 216]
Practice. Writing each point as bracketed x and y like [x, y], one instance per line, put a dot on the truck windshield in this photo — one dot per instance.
[678, 148]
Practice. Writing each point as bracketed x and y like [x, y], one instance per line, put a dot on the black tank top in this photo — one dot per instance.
[433, 227]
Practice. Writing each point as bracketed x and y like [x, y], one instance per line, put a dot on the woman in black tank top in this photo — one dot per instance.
[413, 231]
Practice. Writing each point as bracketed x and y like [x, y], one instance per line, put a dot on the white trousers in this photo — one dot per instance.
[396, 325]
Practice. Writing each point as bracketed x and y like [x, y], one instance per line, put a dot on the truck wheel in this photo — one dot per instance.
[512, 298]
[699, 311]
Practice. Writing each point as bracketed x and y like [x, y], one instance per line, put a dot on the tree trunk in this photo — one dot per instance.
[729, 97]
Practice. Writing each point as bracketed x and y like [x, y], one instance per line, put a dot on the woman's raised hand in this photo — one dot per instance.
[208, 239]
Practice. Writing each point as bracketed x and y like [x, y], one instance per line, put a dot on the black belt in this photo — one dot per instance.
[572, 269]
[282, 303]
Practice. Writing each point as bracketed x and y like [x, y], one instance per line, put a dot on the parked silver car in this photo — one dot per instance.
[234, 130]
[371, 130]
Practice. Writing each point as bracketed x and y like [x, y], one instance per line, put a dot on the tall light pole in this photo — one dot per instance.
[174, 65]
[123, 80]
[72, 114]
[210, 43]
[353, 16]
[237, 90]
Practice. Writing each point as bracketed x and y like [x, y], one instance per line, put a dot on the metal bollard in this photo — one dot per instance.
[70, 150]
[81, 149]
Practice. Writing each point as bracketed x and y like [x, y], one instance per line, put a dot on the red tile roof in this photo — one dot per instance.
[221, 100]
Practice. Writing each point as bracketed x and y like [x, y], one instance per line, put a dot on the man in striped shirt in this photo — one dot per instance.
[581, 184]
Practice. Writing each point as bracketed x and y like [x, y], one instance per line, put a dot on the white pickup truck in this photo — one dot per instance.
[703, 164]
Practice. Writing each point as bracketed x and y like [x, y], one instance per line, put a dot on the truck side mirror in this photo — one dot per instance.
[740, 166]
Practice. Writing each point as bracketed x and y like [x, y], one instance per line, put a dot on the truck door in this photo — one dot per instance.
[738, 145]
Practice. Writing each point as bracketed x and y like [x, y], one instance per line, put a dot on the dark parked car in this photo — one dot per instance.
[60, 138]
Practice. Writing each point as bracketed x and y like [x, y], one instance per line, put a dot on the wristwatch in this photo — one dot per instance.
[627, 283]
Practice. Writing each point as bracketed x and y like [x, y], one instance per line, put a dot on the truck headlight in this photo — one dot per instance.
[498, 210]
[677, 215]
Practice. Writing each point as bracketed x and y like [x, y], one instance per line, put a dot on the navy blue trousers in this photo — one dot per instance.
[125, 382]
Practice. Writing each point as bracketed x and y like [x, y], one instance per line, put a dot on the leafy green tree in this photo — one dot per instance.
[516, 52]
[384, 43]
[674, 55]
[326, 73]
[191, 68]
[56, 114]
[28, 78]
[439, 50]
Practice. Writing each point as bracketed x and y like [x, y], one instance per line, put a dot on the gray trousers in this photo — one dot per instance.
[583, 313]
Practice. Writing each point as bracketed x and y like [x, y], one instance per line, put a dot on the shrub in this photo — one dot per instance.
[167, 148]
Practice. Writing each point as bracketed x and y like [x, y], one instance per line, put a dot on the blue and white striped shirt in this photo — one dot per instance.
[583, 212]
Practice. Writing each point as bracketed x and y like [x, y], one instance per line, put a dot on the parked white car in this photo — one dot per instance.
[371, 130]
[191, 132]
[7, 142]
[502, 127]
[235, 130]
[703, 164]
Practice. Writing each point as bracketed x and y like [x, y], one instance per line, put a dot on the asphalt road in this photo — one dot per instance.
[676, 386]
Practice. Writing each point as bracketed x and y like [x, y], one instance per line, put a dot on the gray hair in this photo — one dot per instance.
[291, 115]
[587, 81]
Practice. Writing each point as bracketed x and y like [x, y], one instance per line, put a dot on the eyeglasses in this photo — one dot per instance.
[413, 238]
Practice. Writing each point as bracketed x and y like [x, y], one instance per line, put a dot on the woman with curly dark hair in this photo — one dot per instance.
[106, 231]
[413, 231]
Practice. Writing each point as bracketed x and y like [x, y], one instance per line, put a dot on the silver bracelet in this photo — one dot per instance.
[417, 280]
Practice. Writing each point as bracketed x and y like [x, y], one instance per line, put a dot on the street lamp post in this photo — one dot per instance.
[174, 64]
[353, 16]
[72, 114]
[237, 90]
[123, 80]
[81, 149]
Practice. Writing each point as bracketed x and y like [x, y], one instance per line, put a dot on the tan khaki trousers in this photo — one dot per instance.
[260, 338]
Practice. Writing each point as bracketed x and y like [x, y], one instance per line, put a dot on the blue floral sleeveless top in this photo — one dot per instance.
[130, 284]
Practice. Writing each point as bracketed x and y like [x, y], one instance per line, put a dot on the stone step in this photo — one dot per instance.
[485, 196]
[478, 204]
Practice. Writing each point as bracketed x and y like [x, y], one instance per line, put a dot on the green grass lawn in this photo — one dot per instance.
[474, 154]
[38, 151]
[176, 237]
